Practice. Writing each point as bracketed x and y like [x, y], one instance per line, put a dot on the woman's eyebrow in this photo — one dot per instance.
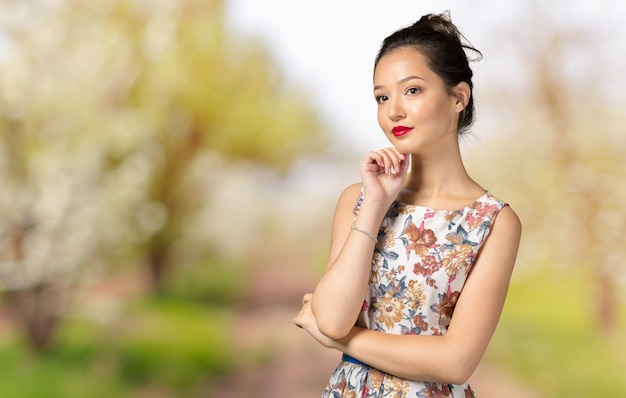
[403, 80]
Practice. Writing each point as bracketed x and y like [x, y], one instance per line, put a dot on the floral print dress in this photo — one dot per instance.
[419, 267]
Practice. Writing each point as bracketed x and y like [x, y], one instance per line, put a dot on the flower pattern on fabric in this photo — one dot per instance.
[419, 239]
[458, 258]
[418, 271]
[389, 310]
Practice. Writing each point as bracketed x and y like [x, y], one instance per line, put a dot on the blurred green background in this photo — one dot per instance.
[167, 191]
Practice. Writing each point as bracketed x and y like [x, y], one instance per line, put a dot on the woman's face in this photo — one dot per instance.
[415, 111]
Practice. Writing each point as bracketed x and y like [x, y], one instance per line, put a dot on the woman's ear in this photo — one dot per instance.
[461, 92]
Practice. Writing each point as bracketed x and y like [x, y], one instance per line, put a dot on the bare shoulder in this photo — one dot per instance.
[349, 198]
[501, 246]
[507, 222]
[351, 192]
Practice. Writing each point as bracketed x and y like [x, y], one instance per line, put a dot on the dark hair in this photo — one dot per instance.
[439, 40]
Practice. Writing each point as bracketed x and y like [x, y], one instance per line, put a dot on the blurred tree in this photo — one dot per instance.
[51, 202]
[206, 94]
[563, 144]
[114, 115]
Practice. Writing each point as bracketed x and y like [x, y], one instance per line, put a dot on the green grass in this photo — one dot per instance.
[70, 369]
[548, 335]
[177, 344]
[165, 347]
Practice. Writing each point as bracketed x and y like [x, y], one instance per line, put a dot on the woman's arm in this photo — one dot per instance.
[453, 357]
[339, 295]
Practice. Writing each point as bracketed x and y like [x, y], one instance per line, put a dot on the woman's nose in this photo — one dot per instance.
[396, 110]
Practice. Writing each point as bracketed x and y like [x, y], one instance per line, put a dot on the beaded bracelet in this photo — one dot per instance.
[366, 233]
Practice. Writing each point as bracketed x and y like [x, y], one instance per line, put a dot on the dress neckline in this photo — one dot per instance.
[486, 194]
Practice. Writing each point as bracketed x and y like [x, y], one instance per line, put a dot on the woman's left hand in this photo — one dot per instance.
[306, 320]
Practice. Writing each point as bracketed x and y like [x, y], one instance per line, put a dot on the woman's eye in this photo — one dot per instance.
[413, 90]
[381, 98]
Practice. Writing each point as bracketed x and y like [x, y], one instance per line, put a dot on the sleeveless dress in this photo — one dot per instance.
[419, 267]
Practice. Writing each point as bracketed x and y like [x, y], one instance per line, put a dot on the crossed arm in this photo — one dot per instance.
[330, 313]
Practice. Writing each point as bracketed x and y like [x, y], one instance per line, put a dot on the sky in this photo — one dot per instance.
[327, 47]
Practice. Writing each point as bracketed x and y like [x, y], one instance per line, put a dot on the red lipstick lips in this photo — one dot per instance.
[399, 131]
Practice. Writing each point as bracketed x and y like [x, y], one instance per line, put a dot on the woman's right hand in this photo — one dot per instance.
[383, 173]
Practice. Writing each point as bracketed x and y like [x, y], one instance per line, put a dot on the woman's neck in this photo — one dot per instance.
[439, 178]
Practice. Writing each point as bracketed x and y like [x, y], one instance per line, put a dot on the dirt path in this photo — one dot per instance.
[296, 366]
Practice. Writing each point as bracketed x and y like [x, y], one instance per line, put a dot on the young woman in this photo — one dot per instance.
[421, 255]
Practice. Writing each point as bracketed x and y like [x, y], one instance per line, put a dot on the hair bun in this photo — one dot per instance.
[439, 23]
[442, 24]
